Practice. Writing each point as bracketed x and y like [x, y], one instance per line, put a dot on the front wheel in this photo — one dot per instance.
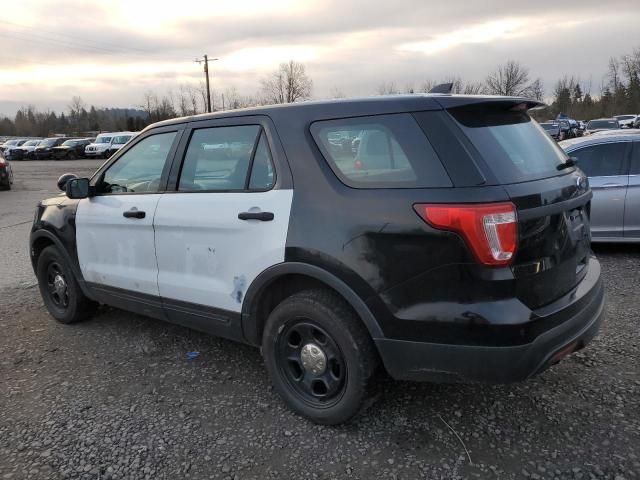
[59, 289]
[319, 356]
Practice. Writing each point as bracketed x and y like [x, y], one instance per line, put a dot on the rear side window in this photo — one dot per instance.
[515, 147]
[384, 151]
[602, 160]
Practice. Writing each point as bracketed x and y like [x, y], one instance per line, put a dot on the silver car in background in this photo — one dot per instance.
[612, 163]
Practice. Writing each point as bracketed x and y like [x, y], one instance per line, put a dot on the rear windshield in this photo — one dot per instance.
[382, 151]
[549, 126]
[515, 147]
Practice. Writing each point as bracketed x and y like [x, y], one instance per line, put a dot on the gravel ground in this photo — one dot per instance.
[116, 397]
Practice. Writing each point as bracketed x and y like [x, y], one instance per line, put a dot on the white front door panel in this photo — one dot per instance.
[206, 255]
[114, 250]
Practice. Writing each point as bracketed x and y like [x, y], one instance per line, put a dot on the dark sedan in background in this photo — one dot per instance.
[612, 163]
[71, 149]
[44, 150]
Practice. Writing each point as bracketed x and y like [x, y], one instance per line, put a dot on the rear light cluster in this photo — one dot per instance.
[489, 229]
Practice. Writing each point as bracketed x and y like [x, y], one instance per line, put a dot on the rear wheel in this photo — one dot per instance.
[319, 356]
[59, 289]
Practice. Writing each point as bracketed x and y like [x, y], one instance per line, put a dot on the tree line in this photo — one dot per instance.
[619, 93]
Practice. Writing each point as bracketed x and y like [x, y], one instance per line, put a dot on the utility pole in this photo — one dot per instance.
[205, 60]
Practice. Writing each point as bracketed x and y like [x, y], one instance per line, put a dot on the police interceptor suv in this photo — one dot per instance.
[441, 237]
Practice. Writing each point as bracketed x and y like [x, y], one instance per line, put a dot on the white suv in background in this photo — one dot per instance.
[100, 147]
[119, 140]
[106, 144]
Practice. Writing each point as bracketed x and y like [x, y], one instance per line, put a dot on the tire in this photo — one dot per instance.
[319, 319]
[67, 303]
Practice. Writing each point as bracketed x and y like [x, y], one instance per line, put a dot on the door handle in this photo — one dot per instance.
[262, 216]
[134, 214]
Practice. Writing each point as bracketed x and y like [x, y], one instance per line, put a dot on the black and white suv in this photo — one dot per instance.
[443, 237]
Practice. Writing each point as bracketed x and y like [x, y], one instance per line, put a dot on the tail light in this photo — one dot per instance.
[490, 229]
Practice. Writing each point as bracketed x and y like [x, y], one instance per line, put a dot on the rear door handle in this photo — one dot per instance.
[134, 214]
[262, 216]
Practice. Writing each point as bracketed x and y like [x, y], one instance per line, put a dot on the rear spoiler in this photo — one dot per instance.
[496, 102]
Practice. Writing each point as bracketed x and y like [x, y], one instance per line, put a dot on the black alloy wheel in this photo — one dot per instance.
[311, 362]
[319, 355]
[59, 288]
[57, 285]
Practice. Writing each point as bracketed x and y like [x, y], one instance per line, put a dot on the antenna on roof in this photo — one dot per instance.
[442, 88]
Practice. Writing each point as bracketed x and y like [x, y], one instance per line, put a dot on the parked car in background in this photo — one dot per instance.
[626, 121]
[612, 163]
[456, 249]
[10, 144]
[71, 149]
[552, 129]
[28, 148]
[600, 124]
[118, 141]
[44, 150]
[636, 123]
[100, 147]
[6, 174]
[622, 131]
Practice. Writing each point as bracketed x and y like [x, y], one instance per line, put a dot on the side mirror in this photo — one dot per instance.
[64, 178]
[77, 188]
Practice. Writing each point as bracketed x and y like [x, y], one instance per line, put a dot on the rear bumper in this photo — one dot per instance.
[424, 361]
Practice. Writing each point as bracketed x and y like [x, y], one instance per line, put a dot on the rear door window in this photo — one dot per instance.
[385, 151]
[515, 147]
[604, 160]
[234, 158]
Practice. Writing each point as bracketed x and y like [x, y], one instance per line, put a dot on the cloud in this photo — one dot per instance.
[111, 52]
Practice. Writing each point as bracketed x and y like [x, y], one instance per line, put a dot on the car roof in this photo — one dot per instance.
[384, 103]
[594, 139]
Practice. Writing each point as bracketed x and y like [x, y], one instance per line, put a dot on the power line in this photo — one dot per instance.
[74, 37]
[34, 38]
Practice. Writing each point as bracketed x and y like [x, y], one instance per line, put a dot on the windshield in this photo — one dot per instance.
[10, 142]
[121, 139]
[513, 145]
[48, 142]
[549, 126]
[103, 140]
[625, 117]
[31, 143]
[607, 124]
[70, 143]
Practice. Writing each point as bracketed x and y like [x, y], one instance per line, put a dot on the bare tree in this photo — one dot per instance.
[388, 89]
[473, 88]
[510, 79]
[288, 84]
[535, 90]
[336, 93]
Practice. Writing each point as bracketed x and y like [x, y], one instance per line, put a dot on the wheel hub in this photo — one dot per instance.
[59, 285]
[313, 359]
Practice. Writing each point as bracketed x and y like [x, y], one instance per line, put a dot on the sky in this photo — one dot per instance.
[111, 52]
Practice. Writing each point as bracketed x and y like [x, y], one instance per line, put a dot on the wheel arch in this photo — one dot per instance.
[265, 292]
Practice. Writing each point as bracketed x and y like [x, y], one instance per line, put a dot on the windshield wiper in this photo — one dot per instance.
[571, 162]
